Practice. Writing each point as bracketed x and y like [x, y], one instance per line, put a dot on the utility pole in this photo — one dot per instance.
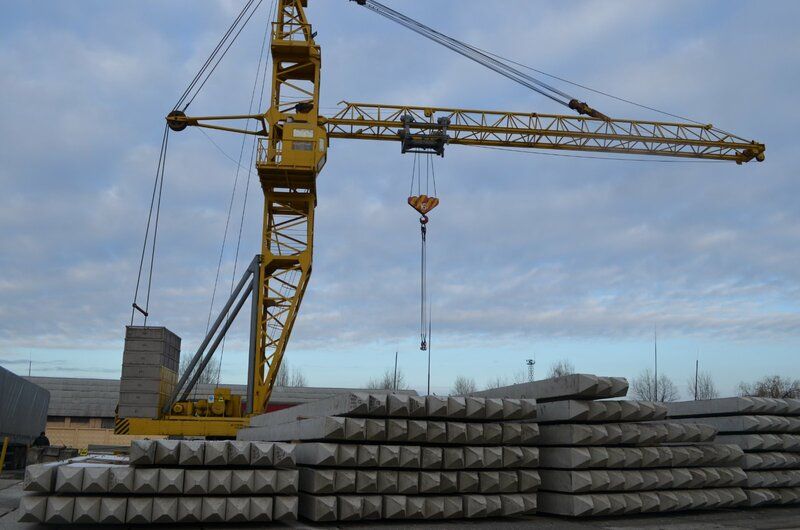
[696, 372]
[655, 354]
[531, 365]
[394, 385]
[30, 362]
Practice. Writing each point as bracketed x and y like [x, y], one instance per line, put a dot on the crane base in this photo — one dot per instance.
[181, 426]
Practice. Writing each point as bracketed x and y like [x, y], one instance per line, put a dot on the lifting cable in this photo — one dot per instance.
[193, 89]
[250, 164]
[423, 203]
[158, 187]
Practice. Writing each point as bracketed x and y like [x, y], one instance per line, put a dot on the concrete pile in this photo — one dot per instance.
[767, 430]
[377, 456]
[167, 482]
[614, 457]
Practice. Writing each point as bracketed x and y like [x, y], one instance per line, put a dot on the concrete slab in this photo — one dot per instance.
[475, 409]
[448, 482]
[237, 509]
[415, 507]
[345, 481]
[394, 507]
[195, 481]
[120, 480]
[69, 479]
[408, 482]
[494, 506]
[574, 386]
[492, 457]
[238, 453]
[397, 405]
[410, 456]
[456, 432]
[283, 455]
[492, 433]
[453, 507]
[354, 404]
[355, 429]
[318, 508]
[190, 509]
[145, 480]
[167, 452]
[261, 454]
[142, 452]
[429, 482]
[86, 510]
[599, 411]
[456, 407]
[170, 481]
[349, 507]
[213, 510]
[317, 481]
[371, 508]
[242, 482]
[436, 407]
[468, 482]
[474, 506]
[347, 455]
[452, 458]
[530, 457]
[433, 508]
[431, 457]
[528, 480]
[389, 456]
[731, 406]
[40, 478]
[473, 457]
[436, 432]
[387, 482]
[494, 408]
[95, 479]
[288, 482]
[139, 510]
[314, 454]
[32, 508]
[417, 431]
[260, 509]
[219, 481]
[512, 433]
[366, 481]
[165, 510]
[396, 430]
[113, 510]
[215, 453]
[285, 508]
[475, 433]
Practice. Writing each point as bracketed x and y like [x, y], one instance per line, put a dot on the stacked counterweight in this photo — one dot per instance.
[167, 482]
[615, 457]
[369, 457]
[767, 430]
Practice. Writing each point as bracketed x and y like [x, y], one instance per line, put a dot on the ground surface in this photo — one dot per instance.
[761, 519]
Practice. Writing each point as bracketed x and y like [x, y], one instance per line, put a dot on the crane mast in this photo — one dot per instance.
[292, 150]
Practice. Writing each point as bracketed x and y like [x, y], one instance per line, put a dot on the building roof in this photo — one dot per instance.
[97, 398]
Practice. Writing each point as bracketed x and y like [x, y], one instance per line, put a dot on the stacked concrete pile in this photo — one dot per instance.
[167, 482]
[767, 430]
[371, 456]
[605, 458]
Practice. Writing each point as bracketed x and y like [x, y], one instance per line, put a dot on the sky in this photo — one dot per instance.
[530, 255]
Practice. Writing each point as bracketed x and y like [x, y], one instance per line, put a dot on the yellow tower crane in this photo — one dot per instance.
[293, 148]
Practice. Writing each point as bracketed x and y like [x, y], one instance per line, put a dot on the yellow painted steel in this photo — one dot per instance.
[293, 150]
[181, 426]
[3, 452]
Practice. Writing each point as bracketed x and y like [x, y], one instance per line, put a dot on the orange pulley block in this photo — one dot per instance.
[423, 203]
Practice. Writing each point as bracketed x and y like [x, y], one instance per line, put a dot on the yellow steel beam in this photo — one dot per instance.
[545, 131]
[180, 426]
